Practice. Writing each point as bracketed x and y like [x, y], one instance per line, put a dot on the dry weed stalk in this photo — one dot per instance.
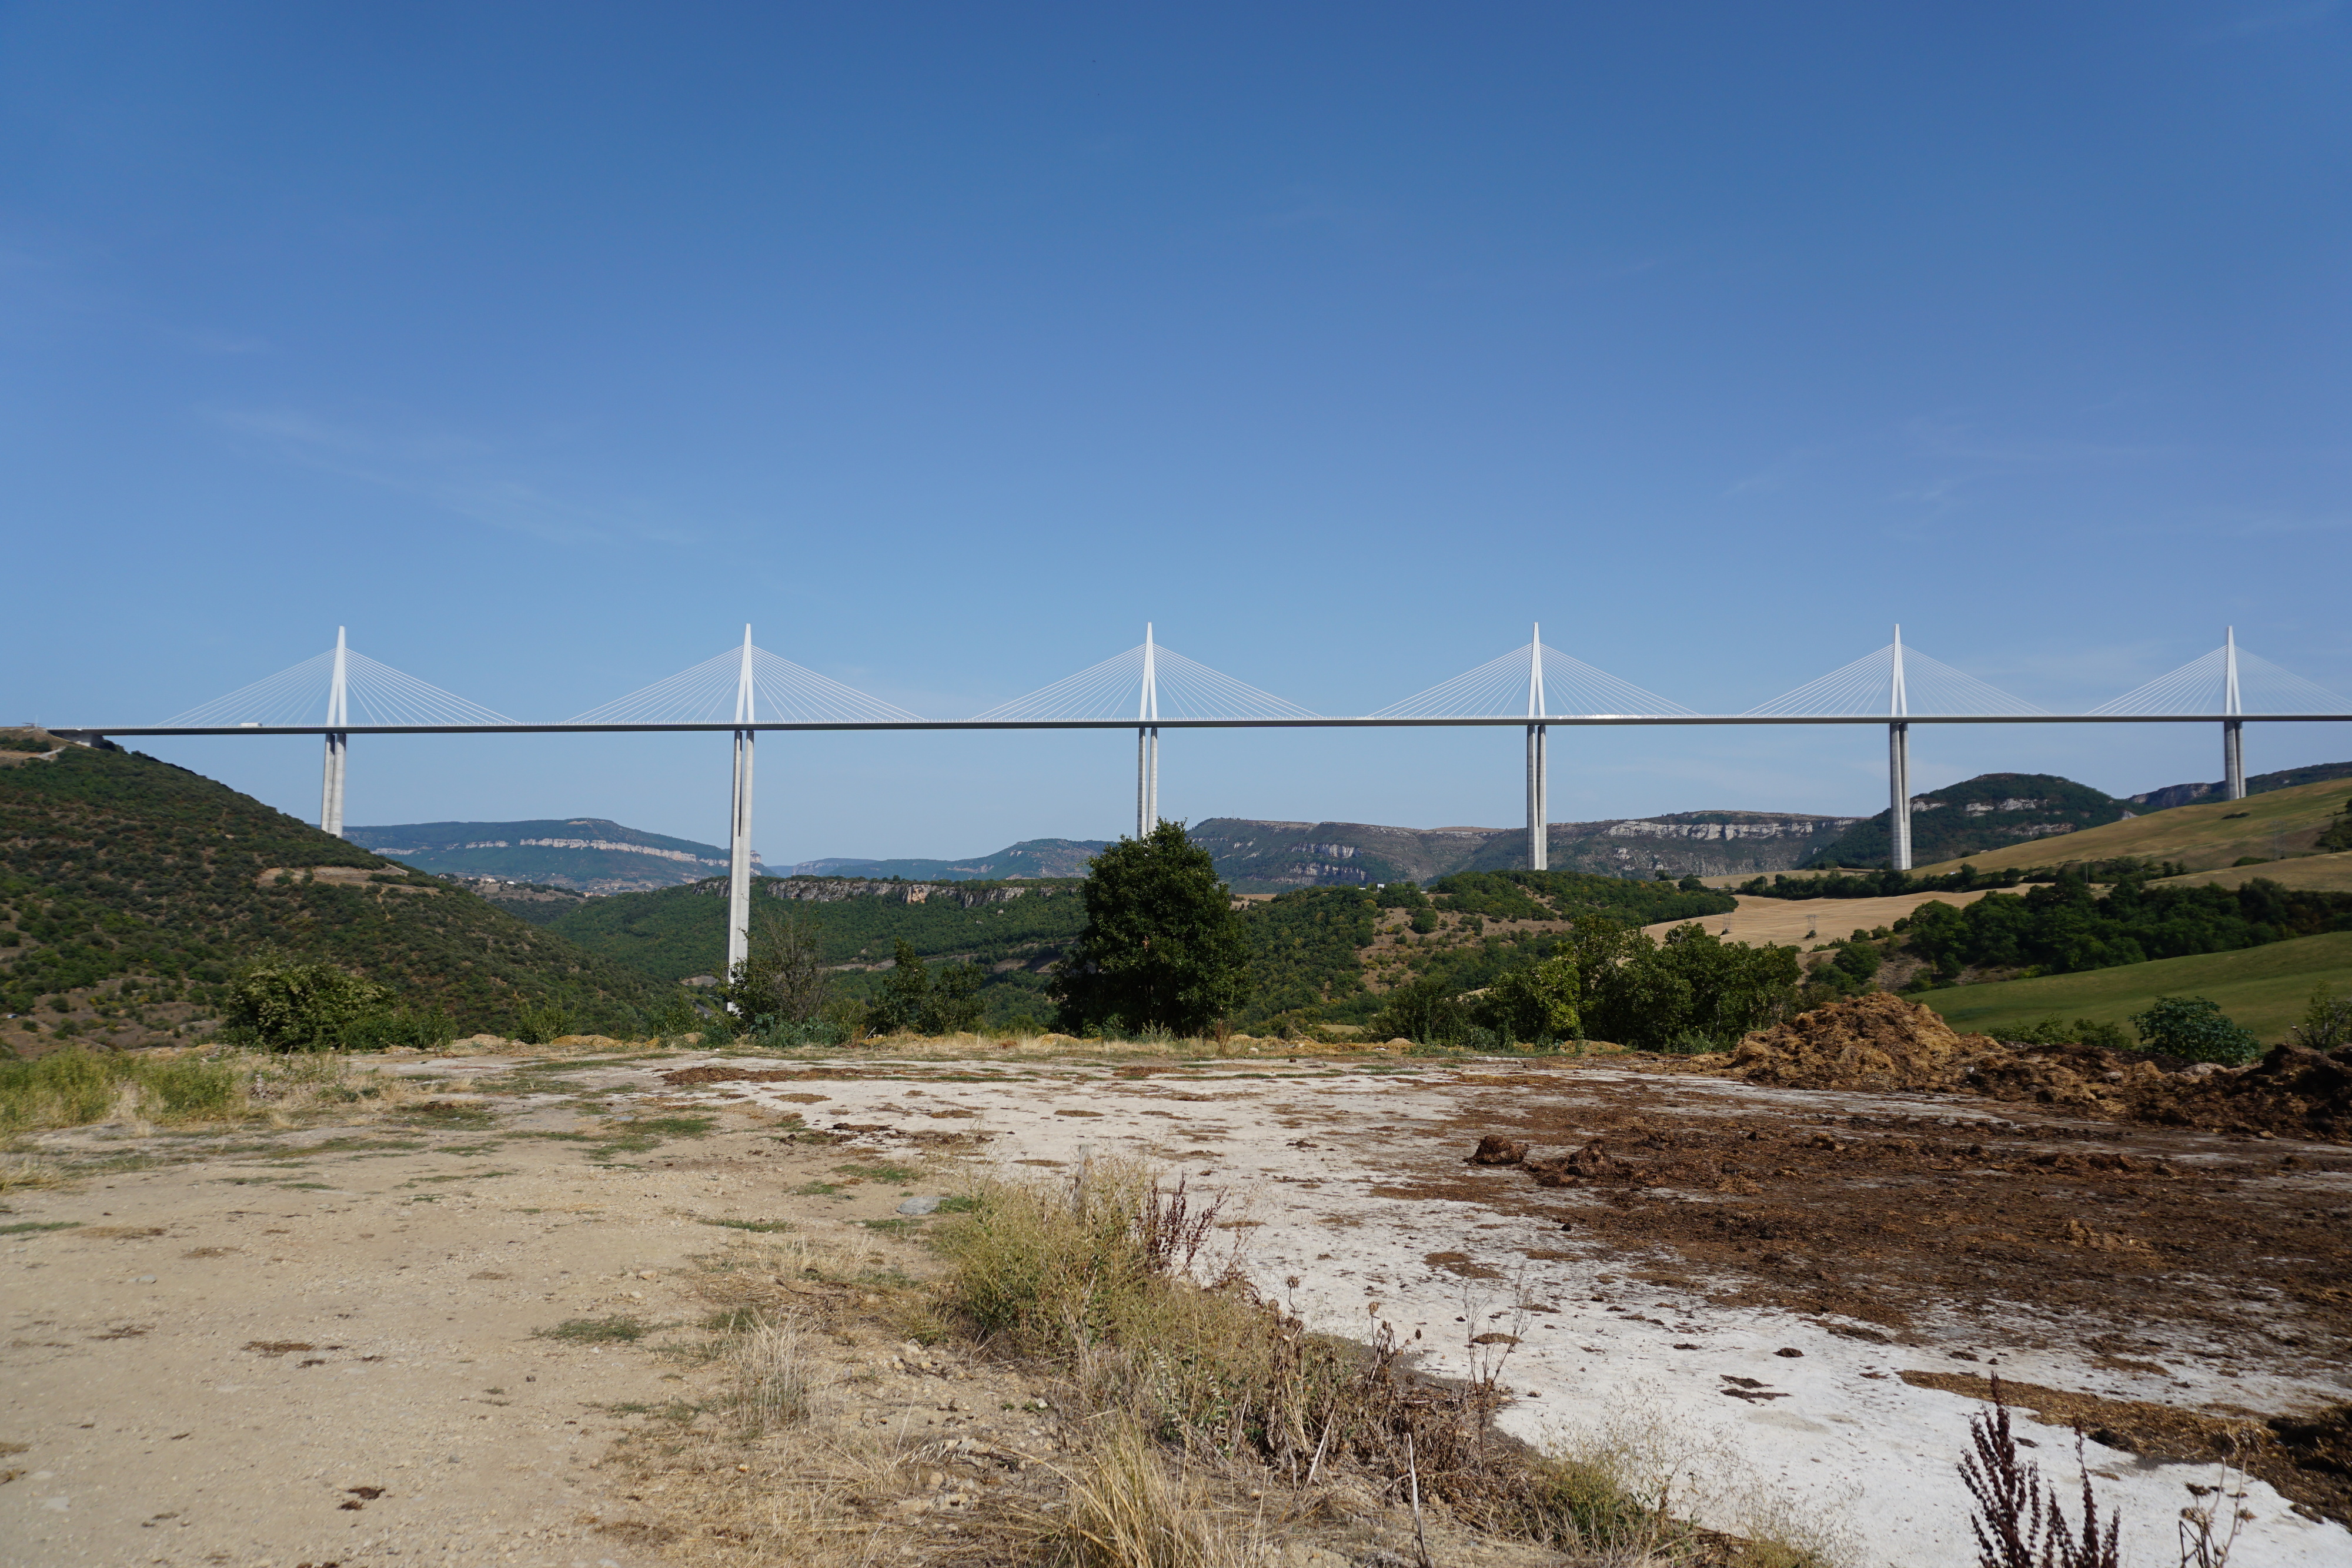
[2016, 1523]
[1172, 1233]
[2199, 1547]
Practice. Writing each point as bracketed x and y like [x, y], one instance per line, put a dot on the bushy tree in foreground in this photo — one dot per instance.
[780, 978]
[916, 998]
[1536, 1003]
[282, 1006]
[1161, 949]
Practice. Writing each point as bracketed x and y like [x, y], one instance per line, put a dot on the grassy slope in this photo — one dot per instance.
[2324, 874]
[114, 865]
[2265, 988]
[2204, 836]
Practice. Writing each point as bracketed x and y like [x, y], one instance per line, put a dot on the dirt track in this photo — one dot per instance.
[1904, 1244]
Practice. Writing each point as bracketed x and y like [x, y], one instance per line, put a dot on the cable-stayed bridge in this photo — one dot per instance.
[747, 689]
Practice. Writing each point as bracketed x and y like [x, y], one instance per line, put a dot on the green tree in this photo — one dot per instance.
[781, 977]
[899, 1006]
[1424, 1010]
[1535, 1003]
[1161, 947]
[284, 1006]
[1690, 991]
[953, 1004]
[2195, 1027]
[2327, 1023]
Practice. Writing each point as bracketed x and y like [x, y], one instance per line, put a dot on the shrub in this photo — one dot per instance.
[1425, 1011]
[281, 1006]
[2327, 1022]
[1536, 1004]
[926, 1001]
[1093, 1275]
[781, 977]
[401, 1028]
[2197, 1029]
[542, 1023]
[1664, 996]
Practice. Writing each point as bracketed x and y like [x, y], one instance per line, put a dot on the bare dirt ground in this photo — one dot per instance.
[406, 1340]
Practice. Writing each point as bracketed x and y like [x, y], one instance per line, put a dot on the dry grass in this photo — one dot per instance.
[26, 1175]
[774, 1376]
[1125, 1509]
[1123, 1415]
[139, 1089]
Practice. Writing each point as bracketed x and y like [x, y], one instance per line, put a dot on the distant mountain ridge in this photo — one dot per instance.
[1258, 856]
[587, 854]
[2173, 795]
[1029, 858]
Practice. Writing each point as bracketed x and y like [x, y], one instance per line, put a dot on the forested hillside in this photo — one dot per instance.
[1990, 811]
[130, 890]
[1012, 930]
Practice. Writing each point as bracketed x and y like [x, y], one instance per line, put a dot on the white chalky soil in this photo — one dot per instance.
[158, 1424]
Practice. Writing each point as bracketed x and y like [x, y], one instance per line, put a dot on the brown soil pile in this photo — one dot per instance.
[721, 1074]
[1878, 1042]
[1881, 1041]
[1594, 1163]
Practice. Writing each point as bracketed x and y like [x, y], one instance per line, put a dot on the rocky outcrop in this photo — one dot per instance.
[1271, 857]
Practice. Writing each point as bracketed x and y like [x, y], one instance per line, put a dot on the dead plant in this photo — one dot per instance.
[2208, 1527]
[23, 1174]
[2017, 1523]
[1172, 1233]
[774, 1376]
[1125, 1510]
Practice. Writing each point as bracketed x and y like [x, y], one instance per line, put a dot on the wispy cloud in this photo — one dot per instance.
[461, 474]
[1778, 473]
[205, 341]
[2275, 19]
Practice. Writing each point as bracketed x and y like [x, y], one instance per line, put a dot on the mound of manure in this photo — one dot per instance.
[1876, 1041]
[1884, 1042]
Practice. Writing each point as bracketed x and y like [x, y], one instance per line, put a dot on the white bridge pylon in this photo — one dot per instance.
[325, 689]
[1542, 682]
[1147, 682]
[2221, 682]
[747, 686]
[1900, 683]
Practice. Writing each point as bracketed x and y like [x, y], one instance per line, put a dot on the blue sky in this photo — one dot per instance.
[546, 345]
